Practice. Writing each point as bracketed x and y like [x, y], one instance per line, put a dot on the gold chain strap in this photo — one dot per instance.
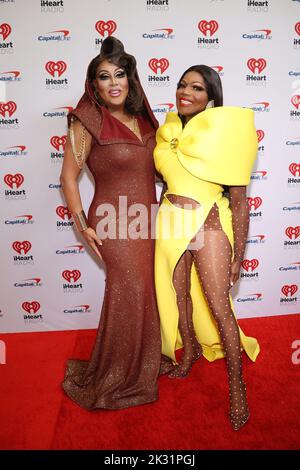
[134, 127]
[79, 156]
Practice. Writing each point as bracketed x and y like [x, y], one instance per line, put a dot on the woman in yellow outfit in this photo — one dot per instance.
[201, 234]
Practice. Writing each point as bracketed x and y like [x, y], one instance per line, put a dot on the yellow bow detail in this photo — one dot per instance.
[217, 145]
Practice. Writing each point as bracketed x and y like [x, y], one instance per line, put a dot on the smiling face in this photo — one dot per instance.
[111, 84]
[191, 95]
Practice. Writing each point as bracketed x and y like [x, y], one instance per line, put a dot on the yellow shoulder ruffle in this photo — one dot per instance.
[217, 145]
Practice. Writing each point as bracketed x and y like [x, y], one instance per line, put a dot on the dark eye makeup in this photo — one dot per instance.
[106, 76]
[195, 87]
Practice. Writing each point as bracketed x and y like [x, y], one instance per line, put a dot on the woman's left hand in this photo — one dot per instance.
[235, 272]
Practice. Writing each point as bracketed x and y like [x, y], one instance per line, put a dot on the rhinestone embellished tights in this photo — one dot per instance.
[212, 263]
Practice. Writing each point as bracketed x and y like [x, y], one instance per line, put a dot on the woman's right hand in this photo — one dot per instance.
[93, 240]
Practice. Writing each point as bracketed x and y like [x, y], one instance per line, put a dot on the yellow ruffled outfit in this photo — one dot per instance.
[216, 147]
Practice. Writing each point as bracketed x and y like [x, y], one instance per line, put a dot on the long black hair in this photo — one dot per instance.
[112, 50]
[212, 82]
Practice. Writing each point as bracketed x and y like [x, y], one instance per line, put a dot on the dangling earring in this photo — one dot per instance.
[210, 104]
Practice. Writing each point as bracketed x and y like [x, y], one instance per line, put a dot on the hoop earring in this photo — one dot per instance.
[210, 104]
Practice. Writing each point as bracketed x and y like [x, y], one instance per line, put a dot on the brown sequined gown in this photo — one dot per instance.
[125, 361]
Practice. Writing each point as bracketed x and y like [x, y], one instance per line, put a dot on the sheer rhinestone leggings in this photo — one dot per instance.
[212, 263]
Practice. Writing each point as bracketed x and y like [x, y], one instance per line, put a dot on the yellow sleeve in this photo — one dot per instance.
[220, 145]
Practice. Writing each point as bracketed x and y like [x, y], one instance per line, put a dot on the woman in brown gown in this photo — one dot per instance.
[112, 129]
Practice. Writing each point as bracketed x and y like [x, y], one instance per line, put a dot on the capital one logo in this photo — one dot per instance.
[295, 169]
[295, 100]
[63, 213]
[260, 135]
[254, 202]
[208, 28]
[56, 67]
[164, 106]
[11, 73]
[261, 173]
[250, 264]
[108, 27]
[297, 28]
[64, 32]
[261, 105]
[22, 247]
[31, 307]
[14, 181]
[256, 65]
[218, 68]
[84, 307]
[21, 148]
[289, 291]
[58, 142]
[293, 232]
[71, 276]
[156, 64]
[5, 30]
[9, 108]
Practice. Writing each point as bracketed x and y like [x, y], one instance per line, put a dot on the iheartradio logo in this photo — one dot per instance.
[295, 100]
[156, 64]
[56, 67]
[289, 291]
[295, 169]
[256, 65]
[208, 28]
[293, 232]
[63, 213]
[254, 202]
[71, 276]
[14, 181]
[22, 247]
[250, 264]
[106, 27]
[9, 108]
[31, 307]
[297, 28]
[5, 30]
[58, 142]
[260, 135]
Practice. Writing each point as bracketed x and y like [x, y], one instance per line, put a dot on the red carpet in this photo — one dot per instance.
[191, 413]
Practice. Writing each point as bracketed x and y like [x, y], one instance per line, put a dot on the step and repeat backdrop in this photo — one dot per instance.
[49, 279]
